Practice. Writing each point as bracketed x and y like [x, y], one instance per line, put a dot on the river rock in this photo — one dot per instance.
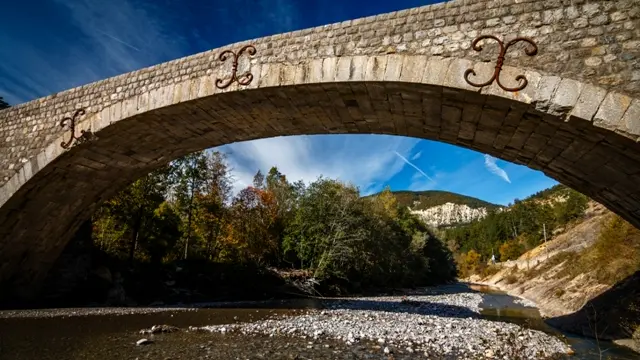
[143, 342]
[156, 329]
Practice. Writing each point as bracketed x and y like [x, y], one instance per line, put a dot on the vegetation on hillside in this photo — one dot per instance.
[508, 233]
[3, 104]
[186, 211]
[420, 200]
[615, 254]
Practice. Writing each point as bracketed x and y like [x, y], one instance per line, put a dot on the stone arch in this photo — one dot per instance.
[579, 134]
[396, 73]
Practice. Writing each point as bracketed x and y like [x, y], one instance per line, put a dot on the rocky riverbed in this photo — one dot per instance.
[445, 325]
[445, 322]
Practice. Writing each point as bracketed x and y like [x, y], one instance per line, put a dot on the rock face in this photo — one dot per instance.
[450, 214]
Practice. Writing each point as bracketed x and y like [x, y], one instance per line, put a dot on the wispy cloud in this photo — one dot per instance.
[367, 161]
[118, 40]
[95, 40]
[490, 164]
[413, 166]
[417, 155]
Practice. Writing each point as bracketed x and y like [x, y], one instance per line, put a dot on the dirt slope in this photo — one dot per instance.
[534, 278]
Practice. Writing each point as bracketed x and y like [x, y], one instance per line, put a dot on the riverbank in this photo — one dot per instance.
[610, 310]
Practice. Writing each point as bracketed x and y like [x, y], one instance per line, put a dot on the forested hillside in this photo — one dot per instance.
[509, 233]
[420, 200]
[186, 212]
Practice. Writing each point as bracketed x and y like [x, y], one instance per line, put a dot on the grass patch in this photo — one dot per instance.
[511, 279]
[490, 271]
[559, 258]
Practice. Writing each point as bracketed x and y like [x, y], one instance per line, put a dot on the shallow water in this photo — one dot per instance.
[114, 336]
[499, 306]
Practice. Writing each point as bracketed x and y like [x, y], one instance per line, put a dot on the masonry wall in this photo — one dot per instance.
[597, 42]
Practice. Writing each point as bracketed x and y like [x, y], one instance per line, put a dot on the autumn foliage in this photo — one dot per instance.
[188, 210]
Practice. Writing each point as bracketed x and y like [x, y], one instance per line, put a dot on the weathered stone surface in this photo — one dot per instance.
[382, 74]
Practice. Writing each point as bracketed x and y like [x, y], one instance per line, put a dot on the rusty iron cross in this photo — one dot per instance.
[70, 122]
[531, 51]
[243, 79]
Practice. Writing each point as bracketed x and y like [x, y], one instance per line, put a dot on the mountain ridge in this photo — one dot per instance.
[439, 208]
[431, 198]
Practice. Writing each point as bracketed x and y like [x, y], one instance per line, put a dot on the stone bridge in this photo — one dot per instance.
[402, 73]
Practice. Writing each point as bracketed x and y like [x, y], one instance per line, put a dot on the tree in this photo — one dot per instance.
[163, 233]
[573, 208]
[3, 104]
[510, 250]
[469, 263]
[133, 209]
[258, 180]
[191, 179]
[251, 216]
[212, 216]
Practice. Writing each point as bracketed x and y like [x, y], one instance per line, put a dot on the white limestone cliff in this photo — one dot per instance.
[449, 214]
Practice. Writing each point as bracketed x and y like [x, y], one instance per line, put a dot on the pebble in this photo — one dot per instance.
[143, 342]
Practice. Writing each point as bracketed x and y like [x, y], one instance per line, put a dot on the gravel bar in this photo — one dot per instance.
[434, 325]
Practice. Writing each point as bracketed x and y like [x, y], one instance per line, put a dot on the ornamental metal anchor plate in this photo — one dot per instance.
[530, 50]
[243, 79]
[70, 122]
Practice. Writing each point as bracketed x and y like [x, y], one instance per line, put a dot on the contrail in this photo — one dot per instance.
[118, 40]
[490, 164]
[415, 167]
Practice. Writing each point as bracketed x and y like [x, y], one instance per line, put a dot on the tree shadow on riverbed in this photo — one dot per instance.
[405, 306]
[409, 305]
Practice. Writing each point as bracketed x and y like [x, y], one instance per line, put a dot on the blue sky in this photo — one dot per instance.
[53, 45]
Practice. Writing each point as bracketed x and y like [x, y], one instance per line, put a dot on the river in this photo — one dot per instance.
[112, 333]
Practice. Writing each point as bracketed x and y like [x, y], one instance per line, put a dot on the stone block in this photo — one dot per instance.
[436, 70]
[359, 65]
[588, 102]
[270, 75]
[344, 68]
[413, 68]
[329, 69]
[611, 111]
[376, 67]
[315, 71]
[394, 68]
[565, 97]
[545, 92]
[454, 77]
[630, 124]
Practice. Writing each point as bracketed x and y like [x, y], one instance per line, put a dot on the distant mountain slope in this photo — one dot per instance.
[442, 208]
[552, 192]
[421, 200]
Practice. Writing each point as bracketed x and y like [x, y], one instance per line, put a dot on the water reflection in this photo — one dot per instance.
[499, 306]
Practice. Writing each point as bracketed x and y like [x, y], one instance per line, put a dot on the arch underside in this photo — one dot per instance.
[40, 218]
